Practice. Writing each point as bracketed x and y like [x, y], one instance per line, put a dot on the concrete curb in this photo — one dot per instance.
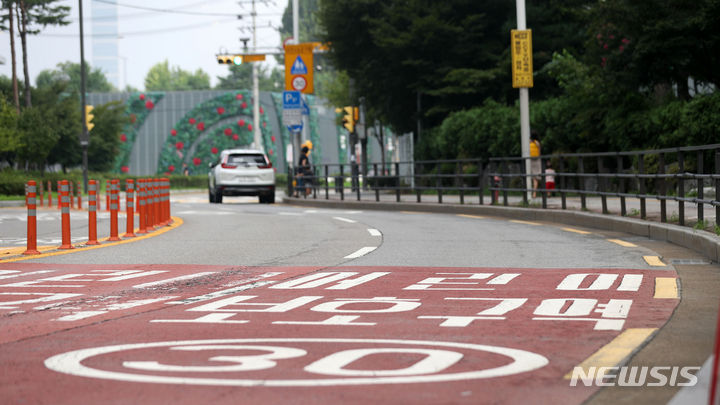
[700, 241]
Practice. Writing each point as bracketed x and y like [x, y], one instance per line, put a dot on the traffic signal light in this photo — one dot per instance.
[349, 120]
[89, 117]
[229, 59]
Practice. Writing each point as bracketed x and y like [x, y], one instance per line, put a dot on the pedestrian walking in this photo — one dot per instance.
[535, 169]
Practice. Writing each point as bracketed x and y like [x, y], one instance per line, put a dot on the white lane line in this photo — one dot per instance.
[289, 213]
[311, 211]
[361, 252]
[353, 212]
[374, 232]
[172, 280]
[352, 221]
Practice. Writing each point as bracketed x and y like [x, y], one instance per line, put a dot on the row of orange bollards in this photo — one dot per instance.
[152, 200]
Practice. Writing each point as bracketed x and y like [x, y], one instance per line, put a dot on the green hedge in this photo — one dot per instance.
[12, 182]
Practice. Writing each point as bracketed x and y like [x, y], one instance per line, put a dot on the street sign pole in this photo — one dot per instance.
[84, 136]
[524, 106]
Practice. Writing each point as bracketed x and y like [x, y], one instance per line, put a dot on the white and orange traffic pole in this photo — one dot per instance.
[114, 208]
[31, 219]
[141, 206]
[156, 201]
[130, 208]
[92, 213]
[79, 196]
[65, 214]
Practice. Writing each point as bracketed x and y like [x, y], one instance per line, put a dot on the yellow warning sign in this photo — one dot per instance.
[299, 67]
[521, 48]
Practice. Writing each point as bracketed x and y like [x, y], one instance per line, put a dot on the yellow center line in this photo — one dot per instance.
[470, 216]
[654, 261]
[517, 221]
[81, 248]
[576, 231]
[666, 287]
[622, 242]
[613, 353]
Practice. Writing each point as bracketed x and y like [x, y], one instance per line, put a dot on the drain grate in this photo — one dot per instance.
[689, 262]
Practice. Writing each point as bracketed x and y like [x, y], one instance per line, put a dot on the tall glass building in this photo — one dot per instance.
[105, 41]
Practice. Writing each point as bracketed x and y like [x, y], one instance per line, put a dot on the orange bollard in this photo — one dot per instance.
[167, 207]
[65, 214]
[156, 201]
[32, 220]
[79, 195]
[107, 195]
[49, 188]
[141, 206]
[114, 207]
[130, 208]
[72, 194]
[92, 213]
[150, 204]
[163, 202]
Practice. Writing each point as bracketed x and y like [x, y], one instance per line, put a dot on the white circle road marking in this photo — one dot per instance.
[71, 363]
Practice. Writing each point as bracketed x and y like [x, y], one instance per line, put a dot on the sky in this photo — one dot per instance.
[188, 38]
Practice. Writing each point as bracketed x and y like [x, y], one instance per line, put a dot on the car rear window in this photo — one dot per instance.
[253, 159]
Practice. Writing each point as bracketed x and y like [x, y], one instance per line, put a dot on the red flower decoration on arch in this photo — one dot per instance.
[270, 152]
[228, 131]
[220, 110]
[201, 126]
[179, 146]
[241, 123]
[149, 105]
[125, 169]
[239, 96]
[214, 150]
[171, 168]
[262, 111]
[192, 121]
[173, 132]
[249, 127]
[123, 138]
[142, 97]
[236, 137]
[243, 105]
[197, 161]
[272, 138]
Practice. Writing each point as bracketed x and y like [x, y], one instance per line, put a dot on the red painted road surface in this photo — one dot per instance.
[186, 334]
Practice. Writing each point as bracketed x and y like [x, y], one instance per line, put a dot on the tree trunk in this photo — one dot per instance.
[23, 39]
[16, 95]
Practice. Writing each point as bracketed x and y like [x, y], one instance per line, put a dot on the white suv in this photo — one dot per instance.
[242, 172]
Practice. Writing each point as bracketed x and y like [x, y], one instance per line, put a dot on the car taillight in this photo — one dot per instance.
[228, 166]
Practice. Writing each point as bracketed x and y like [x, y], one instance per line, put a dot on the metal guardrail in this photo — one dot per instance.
[674, 174]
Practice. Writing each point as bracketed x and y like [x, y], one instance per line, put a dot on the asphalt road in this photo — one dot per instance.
[328, 306]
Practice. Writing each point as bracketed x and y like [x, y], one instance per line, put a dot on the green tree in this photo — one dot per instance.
[652, 46]
[240, 77]
[31, 15]
[161, 77]
[69, 73]
[37, 136]
[63, 112]
[10, 139]
[104, 144]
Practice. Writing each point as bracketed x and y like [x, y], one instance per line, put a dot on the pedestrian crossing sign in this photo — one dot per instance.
[299, 68]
